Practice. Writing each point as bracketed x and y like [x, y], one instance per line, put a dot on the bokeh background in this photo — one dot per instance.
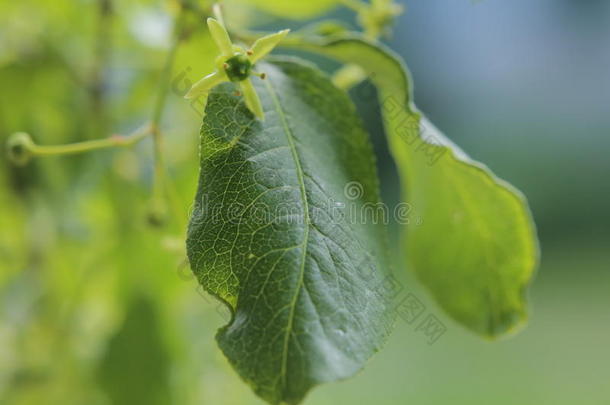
[98, 307]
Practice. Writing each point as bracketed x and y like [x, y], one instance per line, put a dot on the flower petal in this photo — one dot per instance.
[204, 85]
[220, 37]
[264, 45]
[251, 98]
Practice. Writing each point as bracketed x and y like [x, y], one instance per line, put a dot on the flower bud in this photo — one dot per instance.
[19, 148]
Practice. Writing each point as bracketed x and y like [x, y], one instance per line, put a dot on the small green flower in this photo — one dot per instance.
[238, 68]
[235, 64]
[376, 16]
[380, 15]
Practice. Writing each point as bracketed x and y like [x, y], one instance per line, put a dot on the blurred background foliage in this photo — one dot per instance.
[99, 307]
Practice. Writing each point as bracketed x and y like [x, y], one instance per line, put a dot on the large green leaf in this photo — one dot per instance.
[276, 237]
[293, 9]
[476, 249]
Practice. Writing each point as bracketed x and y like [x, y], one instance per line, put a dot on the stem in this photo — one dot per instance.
[159, 206]
[86, 146]
[165, 83]
[97, 81]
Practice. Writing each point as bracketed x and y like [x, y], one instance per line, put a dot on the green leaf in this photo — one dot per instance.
[135, 368]
[274, 234]
[476, 249]
[293, 9]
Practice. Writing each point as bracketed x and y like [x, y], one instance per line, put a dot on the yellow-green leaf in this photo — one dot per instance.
[476, 249]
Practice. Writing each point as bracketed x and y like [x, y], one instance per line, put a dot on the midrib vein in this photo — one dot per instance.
[300, 177]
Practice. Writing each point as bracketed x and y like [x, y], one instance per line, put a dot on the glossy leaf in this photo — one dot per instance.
[271, 234]
[476, 249]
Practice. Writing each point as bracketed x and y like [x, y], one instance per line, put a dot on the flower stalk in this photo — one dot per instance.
[21, 148]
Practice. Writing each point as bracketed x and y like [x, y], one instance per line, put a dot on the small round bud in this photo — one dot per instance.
[157, 213]
[156, 216]
[238, 68]
[19, 148]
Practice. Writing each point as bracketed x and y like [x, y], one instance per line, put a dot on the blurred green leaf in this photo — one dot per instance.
[135, 368]
[266, 237]
[476, 249]
[293, 9]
